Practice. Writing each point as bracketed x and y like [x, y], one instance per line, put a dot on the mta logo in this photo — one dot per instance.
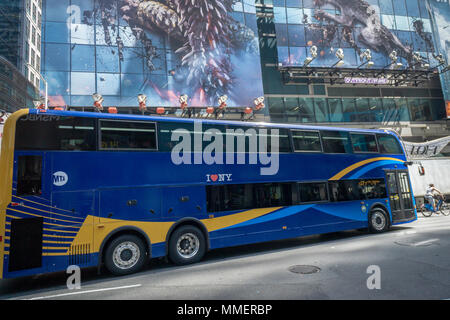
[60, 178]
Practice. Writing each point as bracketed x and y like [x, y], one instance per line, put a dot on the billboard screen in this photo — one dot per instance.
[440, 15]
[163, 49]
[383, 26]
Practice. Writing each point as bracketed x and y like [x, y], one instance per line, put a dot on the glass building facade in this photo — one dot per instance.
[289, 28]
[15, 91]
[10, 36]
[100, 46]
[19, 53]
[299, 25]
[94, 46]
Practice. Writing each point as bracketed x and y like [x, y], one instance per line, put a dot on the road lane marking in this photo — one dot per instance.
[421, 243]
[86, 291]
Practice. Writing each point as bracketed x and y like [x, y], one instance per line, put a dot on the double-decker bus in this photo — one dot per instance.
[114, 190]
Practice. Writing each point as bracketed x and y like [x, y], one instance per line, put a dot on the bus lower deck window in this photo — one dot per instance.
[313, 192]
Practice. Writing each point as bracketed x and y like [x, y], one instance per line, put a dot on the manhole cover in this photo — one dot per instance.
[301, 269]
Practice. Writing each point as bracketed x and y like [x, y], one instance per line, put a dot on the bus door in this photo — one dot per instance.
[26, 229]
[400, 197]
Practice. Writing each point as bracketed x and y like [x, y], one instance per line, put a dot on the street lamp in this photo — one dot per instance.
[419, 60]
[366, 56]
[39, 104]
[45, 85]
[393, 56]
[313, 52]
[142, 99]
[98, 100]
[259, 103]
[222, 101]
[340, 55]
[184, 105]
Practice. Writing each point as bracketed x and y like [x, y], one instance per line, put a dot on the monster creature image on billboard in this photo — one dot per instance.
[356, 31]
[440, 15]
[163, 49]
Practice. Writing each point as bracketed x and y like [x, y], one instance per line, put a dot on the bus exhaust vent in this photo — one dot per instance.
[80, 254]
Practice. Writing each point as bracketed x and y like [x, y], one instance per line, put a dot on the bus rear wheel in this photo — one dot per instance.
[125, 254]
[187, 245]
[378, 221]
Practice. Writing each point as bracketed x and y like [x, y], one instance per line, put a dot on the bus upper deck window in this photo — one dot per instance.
[335, 142]
[388, 144]
[29, 175]
[127, 135]
[364, 142]
[306, 141]
[55, 133]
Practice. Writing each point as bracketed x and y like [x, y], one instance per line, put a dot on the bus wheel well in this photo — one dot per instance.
[120, 232]
[188, 222]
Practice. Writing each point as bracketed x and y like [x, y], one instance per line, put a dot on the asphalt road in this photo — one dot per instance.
[412, 260]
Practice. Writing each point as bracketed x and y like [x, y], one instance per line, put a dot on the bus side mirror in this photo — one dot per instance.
[408, 163]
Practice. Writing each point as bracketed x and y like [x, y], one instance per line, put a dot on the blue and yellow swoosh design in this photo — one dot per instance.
[379, 161]
[62, 229]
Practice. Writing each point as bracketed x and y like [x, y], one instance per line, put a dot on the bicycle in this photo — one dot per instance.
[441, 208]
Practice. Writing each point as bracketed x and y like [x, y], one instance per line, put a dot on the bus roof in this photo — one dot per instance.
[192, 120]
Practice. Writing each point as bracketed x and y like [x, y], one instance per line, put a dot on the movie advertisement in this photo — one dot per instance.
[382, 31]
[440, 15]
[163, 49]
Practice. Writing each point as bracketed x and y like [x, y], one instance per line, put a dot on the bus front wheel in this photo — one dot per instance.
[187, 245]
[125, 254]
[378, 221]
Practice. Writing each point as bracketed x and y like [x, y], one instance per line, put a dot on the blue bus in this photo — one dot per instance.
[114, 190]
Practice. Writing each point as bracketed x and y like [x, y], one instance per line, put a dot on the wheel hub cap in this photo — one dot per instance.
[126, 255]
[378, 221]
[188, 245]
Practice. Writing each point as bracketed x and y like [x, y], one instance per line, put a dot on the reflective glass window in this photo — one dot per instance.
[83, 58]
[57, 57]
[364, 142]
[313, 192]
[335, 142]
[107, 61]
[59, 133]
[335, 107]
[126, 135]
[82, 83]
[108, 83]
[388, 144]
[56, 32]
[321, 110]
[306, 141]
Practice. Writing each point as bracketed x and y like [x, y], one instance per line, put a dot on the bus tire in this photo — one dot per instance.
[125, 254]
[378, 221]
[186, 245]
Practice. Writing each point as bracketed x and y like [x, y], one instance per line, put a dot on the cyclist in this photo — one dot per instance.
[430, 195]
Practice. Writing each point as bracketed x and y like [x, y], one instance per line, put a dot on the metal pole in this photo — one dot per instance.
[46, 92]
